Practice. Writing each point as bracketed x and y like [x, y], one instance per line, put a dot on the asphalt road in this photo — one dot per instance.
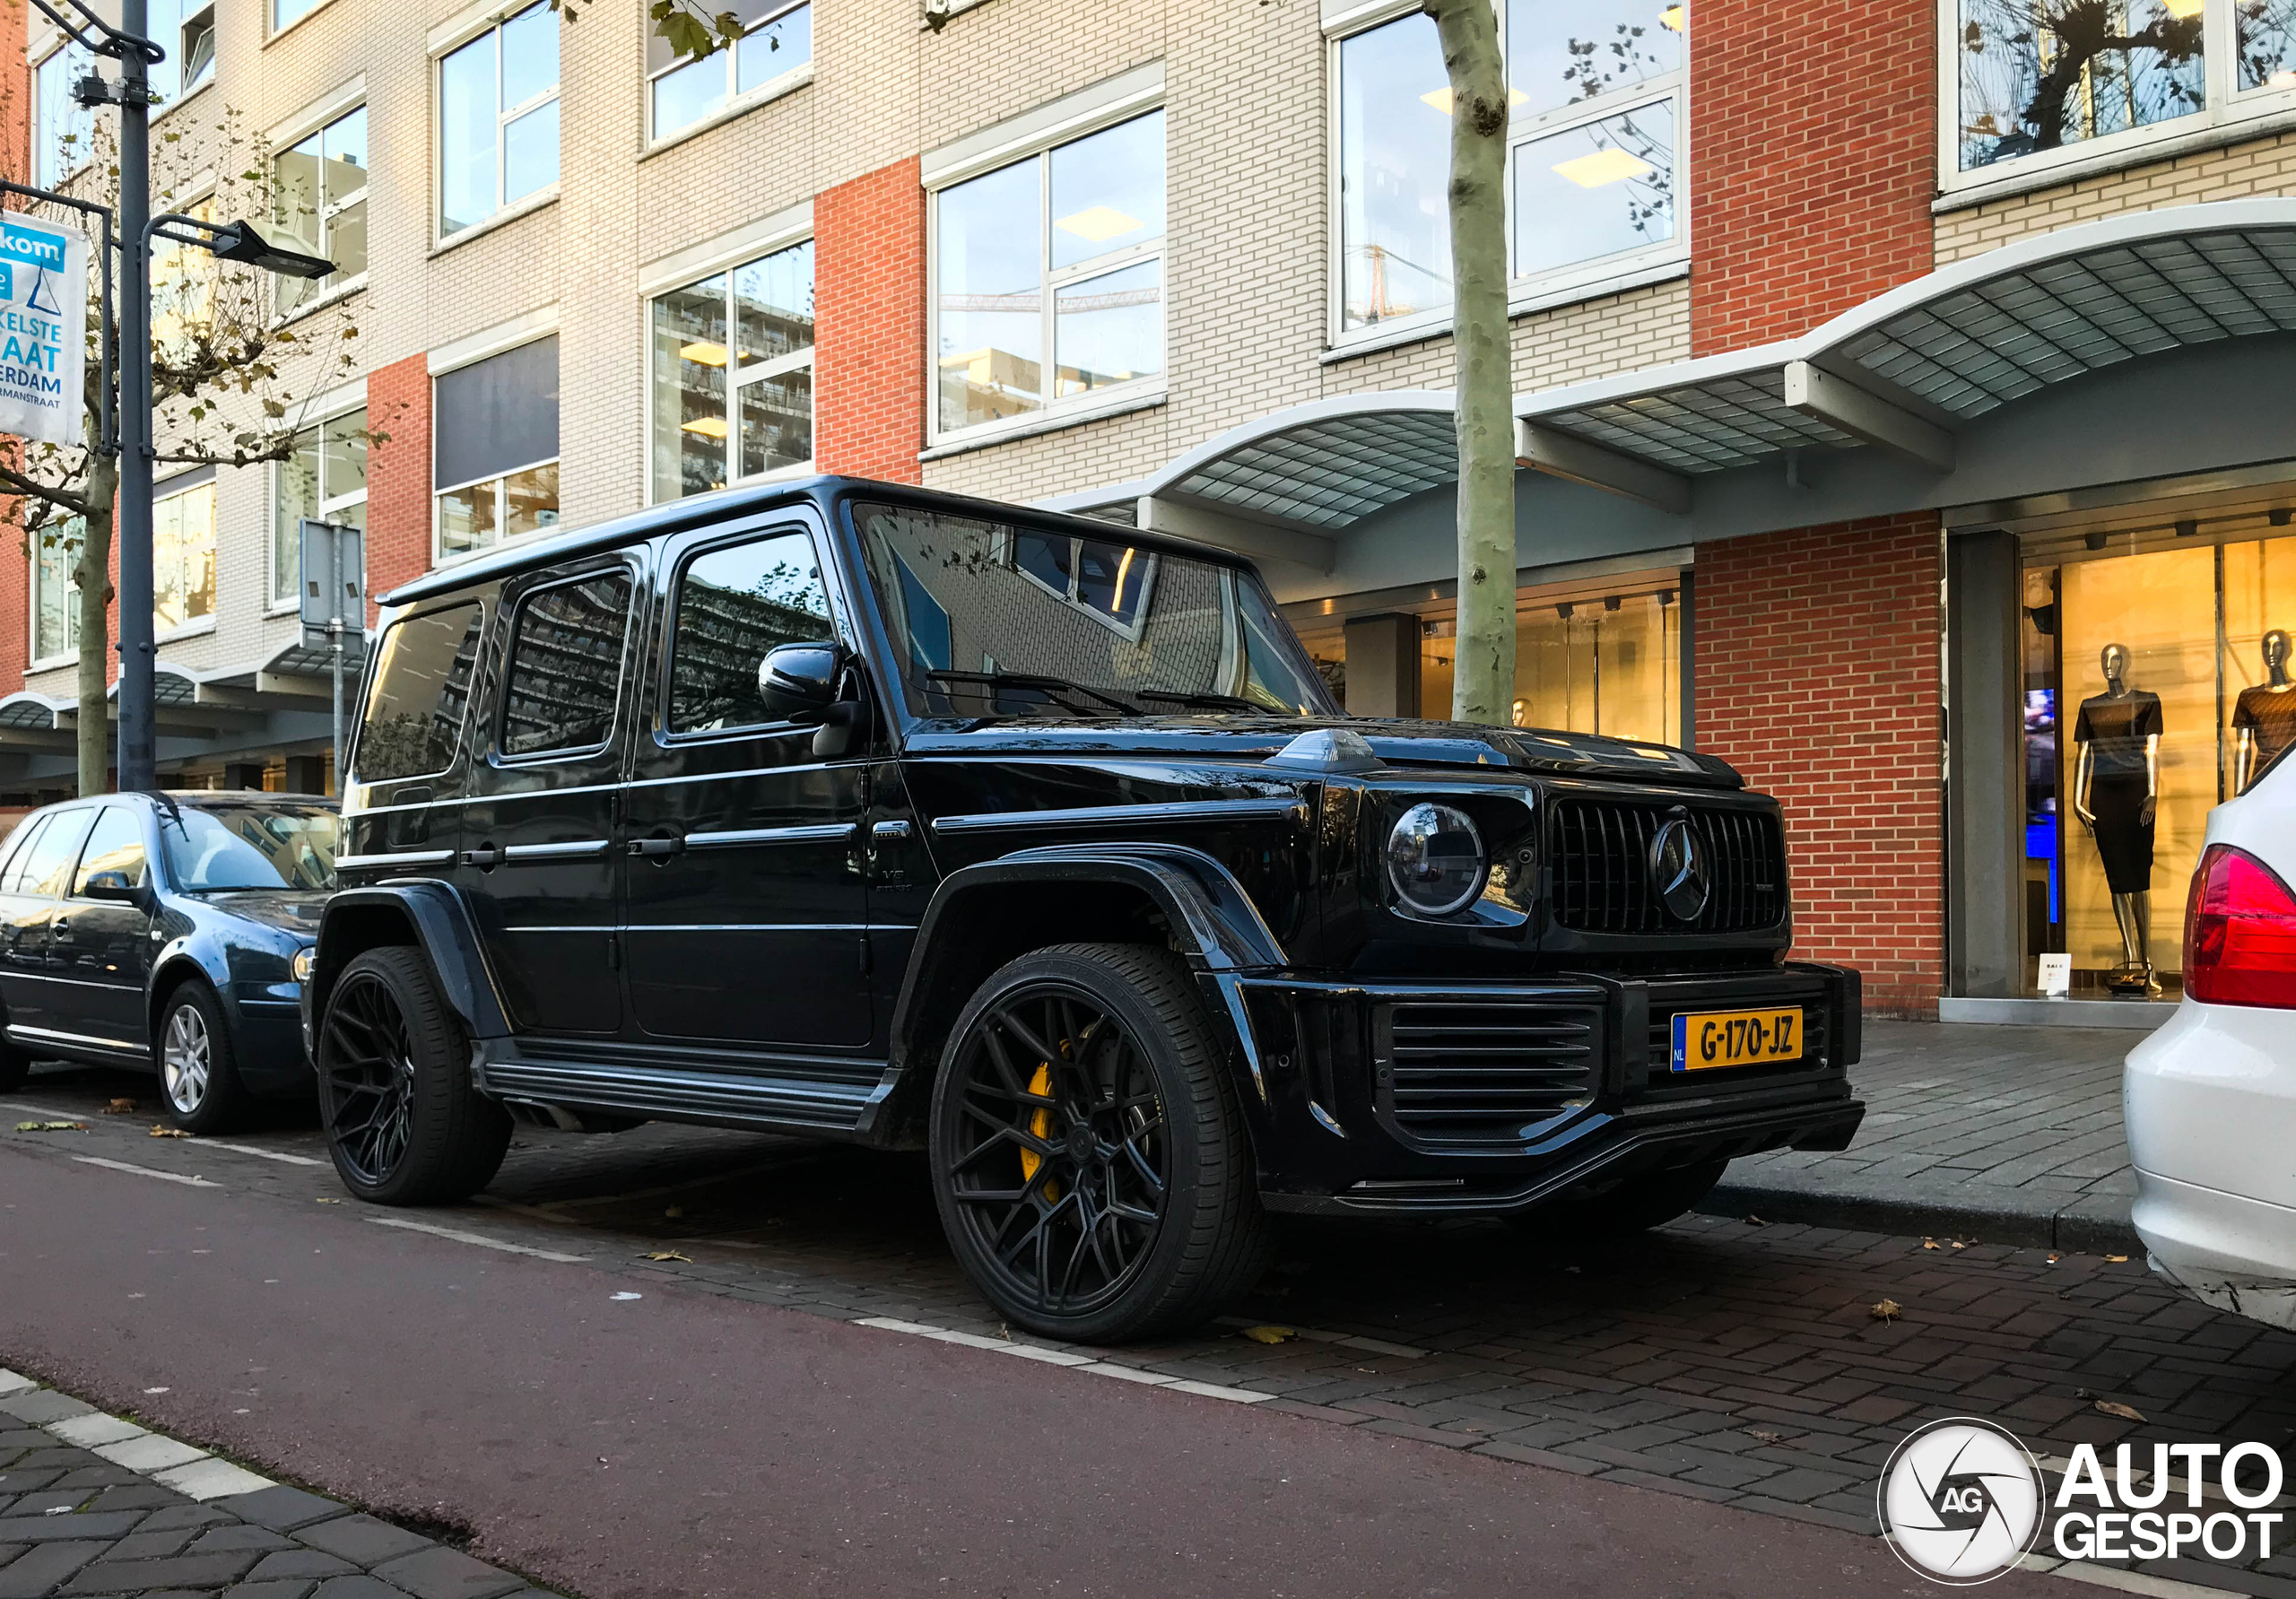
[685, 1443]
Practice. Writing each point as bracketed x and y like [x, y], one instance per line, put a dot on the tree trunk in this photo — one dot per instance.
[1482, 684]
[92, 573]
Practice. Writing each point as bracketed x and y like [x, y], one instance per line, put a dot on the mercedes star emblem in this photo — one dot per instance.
[1680, 875]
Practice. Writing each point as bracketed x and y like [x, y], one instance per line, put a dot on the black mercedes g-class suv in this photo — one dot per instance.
[853, 811]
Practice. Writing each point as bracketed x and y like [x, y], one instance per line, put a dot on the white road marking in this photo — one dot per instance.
[249, 1148]
[2135, 1582]
[165, 1176]
[480, 1238]
[1059, 1357]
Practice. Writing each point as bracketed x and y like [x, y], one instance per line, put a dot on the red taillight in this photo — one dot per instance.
[2240, 933]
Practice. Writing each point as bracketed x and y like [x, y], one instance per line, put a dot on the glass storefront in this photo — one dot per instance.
[2156, 683]
[1609, 664]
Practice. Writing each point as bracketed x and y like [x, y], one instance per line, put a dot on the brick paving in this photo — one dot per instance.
[77, 1522]
[1720, 1357]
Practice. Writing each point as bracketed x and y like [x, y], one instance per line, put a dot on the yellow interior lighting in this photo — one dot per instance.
[708, 427]
[1098, 223]
[1671, 19]
[1604, 167]
[705, 356]
[2184, 10]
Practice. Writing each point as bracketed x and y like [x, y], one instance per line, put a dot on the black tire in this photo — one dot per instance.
[403, 1122]
[15, 1065]
[1117, 1200]
[1624, 1207]
[197, 1064]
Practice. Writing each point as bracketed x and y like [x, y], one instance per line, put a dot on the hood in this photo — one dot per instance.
[1399, 744]
[291, 910]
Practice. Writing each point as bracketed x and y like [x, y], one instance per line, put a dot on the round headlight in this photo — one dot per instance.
[301, 963]
[1435, 859]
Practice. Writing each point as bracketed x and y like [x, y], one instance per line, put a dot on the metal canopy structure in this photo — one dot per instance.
[1903, 373]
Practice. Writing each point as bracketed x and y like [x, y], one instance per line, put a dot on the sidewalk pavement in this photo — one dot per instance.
[2003, 1135]
[94, 1505]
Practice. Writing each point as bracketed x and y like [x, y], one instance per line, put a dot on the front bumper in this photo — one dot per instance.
[1415, 1098]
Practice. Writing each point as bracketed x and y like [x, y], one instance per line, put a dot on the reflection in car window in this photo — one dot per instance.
[1075, 624]
[565, 674]
[14, 880]
[117, 846]
[734, 606]
[249, 846]
[47, 864]
[421, 688]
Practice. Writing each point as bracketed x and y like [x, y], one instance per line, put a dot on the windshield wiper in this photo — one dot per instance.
[1206, 700]
[1051, 686]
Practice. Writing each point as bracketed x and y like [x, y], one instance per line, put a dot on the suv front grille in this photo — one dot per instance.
[1482, 1073]
[1600, 849]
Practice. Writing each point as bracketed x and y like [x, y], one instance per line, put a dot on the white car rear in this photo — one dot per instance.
[2210, 1098]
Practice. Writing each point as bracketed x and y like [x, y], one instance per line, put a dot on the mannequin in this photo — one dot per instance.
[2116, 794]
[2264, 719]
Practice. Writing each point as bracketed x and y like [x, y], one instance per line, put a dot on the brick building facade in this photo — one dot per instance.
[1854, 406]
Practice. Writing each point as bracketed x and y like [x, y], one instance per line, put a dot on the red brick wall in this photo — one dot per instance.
[1818, 677]
[398, 474]
[1813, 157]
[869, 374]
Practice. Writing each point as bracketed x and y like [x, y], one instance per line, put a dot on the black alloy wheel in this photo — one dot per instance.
[403, 1122]
[1089, 1159]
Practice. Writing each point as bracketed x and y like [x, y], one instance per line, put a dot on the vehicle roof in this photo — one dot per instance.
[702, 510]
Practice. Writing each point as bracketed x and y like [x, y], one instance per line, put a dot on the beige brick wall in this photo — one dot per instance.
[2260, 167]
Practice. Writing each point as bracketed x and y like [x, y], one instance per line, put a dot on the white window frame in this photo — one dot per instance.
[504, 116]
[780, 366]
[328, 507]
[468, 352]
[85, 153]
[328, 212]
[33, 660]
[736, 102]
[2228, 115]
[1561, 285]
[1038, 147]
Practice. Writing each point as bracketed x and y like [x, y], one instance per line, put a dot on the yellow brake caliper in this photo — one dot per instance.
[1041, 1125]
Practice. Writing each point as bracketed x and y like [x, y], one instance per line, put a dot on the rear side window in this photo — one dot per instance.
[47, 864]
[423, 679]
[12, 879]
[565, 674]
[115, 846]
[735, 605]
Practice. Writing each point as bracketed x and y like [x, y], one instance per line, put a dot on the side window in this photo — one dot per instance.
[12, 877]
[422, 690]
[733, 605]
[47, 864]
[115, 846]
[564, 677]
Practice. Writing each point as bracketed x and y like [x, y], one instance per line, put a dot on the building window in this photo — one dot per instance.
[187, 30]
[779, 41]
[183, 292]
[319, 193]
[498, 119]
[494, 448]
[733, 375]
[2044, 77]
[183, 558]
[286, 12]
[1049, 279]
[1593, 160]
[324, 480]
[66, 132]
[56, 607]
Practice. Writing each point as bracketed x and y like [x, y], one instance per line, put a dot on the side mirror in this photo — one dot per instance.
[798, 683]
[111, 885]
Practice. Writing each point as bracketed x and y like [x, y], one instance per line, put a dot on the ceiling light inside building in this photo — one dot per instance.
[2184, 10]
[705, 355]
[1604, 167]
[1441, 99]
[1098, 223]
[1671, 19]
[708, 427]
[2280, 79]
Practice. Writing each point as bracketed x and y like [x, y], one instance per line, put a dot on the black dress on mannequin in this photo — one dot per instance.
[2116, 728]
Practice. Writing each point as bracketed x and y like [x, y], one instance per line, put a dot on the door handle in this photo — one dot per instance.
[485, 855]
[657, 850]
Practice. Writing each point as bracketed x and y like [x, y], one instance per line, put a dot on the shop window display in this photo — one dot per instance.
[1611, 664]
[2157, 685]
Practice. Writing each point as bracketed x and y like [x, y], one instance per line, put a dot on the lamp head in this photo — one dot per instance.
[272, 248]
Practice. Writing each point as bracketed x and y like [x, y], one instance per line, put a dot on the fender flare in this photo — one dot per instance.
[1213, 919]
[444, 931]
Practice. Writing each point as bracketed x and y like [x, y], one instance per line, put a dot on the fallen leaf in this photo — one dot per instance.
[1884, 1311]
[1958, 1244]
[166, 1131]
[668, 1255]
[2118, 1259]
[2052, 1260]
[2114, 1407]
[1930, 1244]
[1270, 1334]
[1756, 1221]
[51, 1126]
[325, 1201]
[119, 1108]
[675, 1212]
[1767, 1437]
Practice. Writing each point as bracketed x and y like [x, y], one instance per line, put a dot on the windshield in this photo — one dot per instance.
[249, 846]
[991, 619]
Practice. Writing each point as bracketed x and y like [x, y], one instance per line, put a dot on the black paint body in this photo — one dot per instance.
[799, 968]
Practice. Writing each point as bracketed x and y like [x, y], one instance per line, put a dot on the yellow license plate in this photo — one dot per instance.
[1707, 1038]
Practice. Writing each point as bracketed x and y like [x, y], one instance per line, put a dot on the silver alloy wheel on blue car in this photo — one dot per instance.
[187, 1059]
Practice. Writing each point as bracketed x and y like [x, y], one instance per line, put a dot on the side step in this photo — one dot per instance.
[818, 1106]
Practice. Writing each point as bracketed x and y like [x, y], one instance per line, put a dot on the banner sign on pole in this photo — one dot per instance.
[43, 329]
